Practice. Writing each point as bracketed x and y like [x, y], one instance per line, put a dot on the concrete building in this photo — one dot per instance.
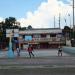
[42, 38]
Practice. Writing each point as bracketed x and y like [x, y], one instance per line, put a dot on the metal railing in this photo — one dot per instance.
[47, 39]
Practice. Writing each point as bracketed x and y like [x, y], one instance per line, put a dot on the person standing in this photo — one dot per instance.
[30, 49]
[60, 51]
[18, 52]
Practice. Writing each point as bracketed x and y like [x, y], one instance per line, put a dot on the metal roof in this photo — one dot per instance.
[42, 30]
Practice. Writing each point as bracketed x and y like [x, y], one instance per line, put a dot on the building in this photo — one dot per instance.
[42, 38]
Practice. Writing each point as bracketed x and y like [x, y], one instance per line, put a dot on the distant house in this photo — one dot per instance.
[42, 38]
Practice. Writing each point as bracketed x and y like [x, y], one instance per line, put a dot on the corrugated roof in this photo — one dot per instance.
[41, 30]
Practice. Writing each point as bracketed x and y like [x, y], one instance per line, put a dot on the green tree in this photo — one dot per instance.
[22, 28]
[67, 31]
[29, 27]
[8, 24]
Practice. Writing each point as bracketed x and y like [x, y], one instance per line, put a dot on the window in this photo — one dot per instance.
[52, 35]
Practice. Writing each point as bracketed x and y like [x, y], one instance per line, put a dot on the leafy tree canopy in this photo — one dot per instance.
[29, 27]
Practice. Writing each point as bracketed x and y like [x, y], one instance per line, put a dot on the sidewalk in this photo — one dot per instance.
[37, 53]
[42, 59]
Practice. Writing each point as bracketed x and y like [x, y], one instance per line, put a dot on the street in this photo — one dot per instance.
[45, 62]
[37, 53]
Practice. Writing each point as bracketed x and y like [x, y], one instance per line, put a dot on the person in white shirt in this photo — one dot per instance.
[18, 52]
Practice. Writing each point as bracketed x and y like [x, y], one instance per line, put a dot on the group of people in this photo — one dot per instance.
[30, 49]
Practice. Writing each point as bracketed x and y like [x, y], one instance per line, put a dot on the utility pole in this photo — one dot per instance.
[73, 18]
[70, 25]
[54, 21]
[59, 20]
[69, 20]
[73, 13]
[59, 27]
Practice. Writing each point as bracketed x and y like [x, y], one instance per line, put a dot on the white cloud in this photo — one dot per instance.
[1, 19]
[43, 17]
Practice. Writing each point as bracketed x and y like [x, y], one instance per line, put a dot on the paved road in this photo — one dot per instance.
[38, 66]
[42, 57]
[40, 61]
[46, 62]
[37, 53]
[38, 71]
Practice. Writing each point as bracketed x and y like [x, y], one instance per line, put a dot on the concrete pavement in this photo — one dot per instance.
[42, 59]
[37, 53]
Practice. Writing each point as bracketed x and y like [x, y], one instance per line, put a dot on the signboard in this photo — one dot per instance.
[14, 32]
[28, 38]
[7, 35]
[16, 35]
[8, 31]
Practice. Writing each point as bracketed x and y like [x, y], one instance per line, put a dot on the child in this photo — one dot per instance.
[18, 52]
[30, 49]
[60, 51]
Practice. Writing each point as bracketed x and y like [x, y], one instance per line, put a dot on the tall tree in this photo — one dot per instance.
[29, 27]
[67, 31]
[9, 23]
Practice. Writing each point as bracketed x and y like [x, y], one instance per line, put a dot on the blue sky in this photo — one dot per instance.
[18, 8]
[38, 13]
[65, 1]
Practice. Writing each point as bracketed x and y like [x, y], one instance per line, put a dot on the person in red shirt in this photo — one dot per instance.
[30, 49]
